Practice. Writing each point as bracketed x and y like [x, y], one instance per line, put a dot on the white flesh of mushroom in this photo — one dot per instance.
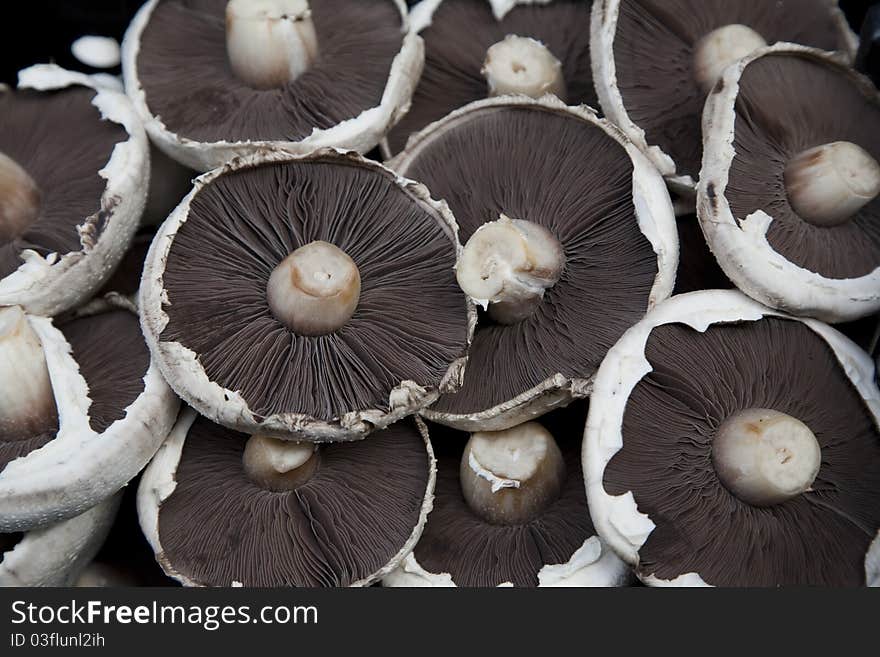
[270, 42]
[522, 65]
[279, 465]
[720, 48]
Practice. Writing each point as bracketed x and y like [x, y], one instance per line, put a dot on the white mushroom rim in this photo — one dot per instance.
[59, 281]
[603, 28]
[741, 246]
[181, 365]
[360, 133]
[79, 468]
[55, 555]
[159, 481]
[656, 219]
[616, 517]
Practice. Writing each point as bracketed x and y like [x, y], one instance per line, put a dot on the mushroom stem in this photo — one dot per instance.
[721, 48]
[509, 477]
[828, 184]
[19, 199]
[270, 42]
[521, 65]
[27, 405]
[279, 465]
[315, 290]
[508, 265]
[765, 457]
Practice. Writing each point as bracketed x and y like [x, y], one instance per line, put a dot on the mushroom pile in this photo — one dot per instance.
[534, 347]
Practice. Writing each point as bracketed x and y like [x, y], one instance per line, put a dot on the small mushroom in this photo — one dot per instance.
[214, 80]
[570, 238]
[82, 410]
[728, 444]
[507, 47]
[654, 62]
[788, 196]
[510, 509]
[221, 508]
[57, 554]
[309, 298]
[74, 163]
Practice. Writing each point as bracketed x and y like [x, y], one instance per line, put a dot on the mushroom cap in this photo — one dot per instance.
[454, 56]
[56, 554]
[558, 548]
[763, 246]
[114, 410]
[356, 518]
[523, 370]
[299, 118]
[657, 38]
[238, 365]
[658, 398]
[88, 217]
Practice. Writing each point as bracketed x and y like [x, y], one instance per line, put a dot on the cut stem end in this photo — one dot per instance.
[721, 48]
[19, 200]
[270, 42]
[765, 457]
[524, 66]
[279, 465]
[510, 477]
[315, 290]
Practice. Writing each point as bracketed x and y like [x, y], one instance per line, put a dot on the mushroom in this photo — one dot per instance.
[507, 46]
[681, 47]
[221, 508]
[731, 445]
[788, 194]
[55, 555]
[82, 410]
[510, 509]
[570, 239]
[214, 80]
[74, 162]
[309, 298]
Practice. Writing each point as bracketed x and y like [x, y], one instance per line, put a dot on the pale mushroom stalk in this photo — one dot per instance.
[721, 48]
[270, 42]
[27, 406]
[315, 290]
[828, 184]
[510, 477]
[525, 66]
[508, 265]
[19, 199]
[765, 457]
[279, 465]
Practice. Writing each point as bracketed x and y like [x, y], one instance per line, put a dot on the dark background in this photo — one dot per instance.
[39, 31]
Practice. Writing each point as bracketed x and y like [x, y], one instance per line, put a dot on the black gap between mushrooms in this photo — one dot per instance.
[697, 267]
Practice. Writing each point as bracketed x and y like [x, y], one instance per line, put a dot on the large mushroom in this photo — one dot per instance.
[507, 47]
[510, 509]
[57, 554]
[570, 240]
[311, 298]
[82, 410]
[74, 163]
[654, 62]
[213, 79]
[730, 445]
[221, 508]
[788, 194]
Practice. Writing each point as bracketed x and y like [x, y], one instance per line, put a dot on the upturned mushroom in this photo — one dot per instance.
[214, 79]
[507, 47]
[510, 509]
[57, 554]
[74, 163]
[788, 199]
[309, 298]
[82, 410]
[221, 508]
[570, 238]
[730, 445]
[654, 62]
